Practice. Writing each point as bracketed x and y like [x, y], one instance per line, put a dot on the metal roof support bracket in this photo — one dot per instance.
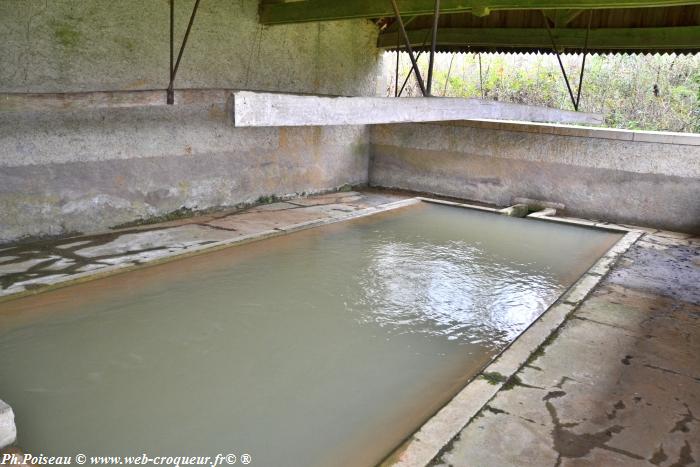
[583, 63]
[405, 82]
[398, 59]
[409, 49]
[433, 45]
[575, 101]
[173, 69]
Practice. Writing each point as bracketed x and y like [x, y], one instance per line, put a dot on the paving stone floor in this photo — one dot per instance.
[619, 385]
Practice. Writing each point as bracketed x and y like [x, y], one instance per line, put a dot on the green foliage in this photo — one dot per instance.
[660, 92]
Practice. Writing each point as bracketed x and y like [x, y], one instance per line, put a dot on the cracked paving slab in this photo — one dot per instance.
[620, 383]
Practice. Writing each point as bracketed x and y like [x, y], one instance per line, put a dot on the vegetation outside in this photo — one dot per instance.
[640, 92]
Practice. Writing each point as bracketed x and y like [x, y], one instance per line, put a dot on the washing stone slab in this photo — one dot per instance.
[260, 109]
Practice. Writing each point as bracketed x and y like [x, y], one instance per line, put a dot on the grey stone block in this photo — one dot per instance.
[8, 431]
[518, 210]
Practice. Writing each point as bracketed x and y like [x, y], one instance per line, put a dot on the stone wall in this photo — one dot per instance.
[91, 169]
[642, 178]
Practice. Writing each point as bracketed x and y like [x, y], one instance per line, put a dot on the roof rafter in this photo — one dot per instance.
[536, 38]
[327, 10]
[561, 18]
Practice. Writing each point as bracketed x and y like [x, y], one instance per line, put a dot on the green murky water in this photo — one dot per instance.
[324, 347]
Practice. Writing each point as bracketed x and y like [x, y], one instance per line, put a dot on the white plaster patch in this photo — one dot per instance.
[74, 244]
[91, 267]
[93, 203]
[59, 265]
[44, 280]
[176, 237]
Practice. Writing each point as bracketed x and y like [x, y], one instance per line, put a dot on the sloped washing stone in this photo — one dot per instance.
[36, 282]
[8, 431]
[73, 244]
[13, 268]
[131, 243]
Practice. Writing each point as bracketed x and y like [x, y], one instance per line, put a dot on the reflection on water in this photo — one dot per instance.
[324, 347]
[453, 290]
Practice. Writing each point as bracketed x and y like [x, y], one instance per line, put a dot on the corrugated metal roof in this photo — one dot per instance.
[600, 21]
[611, 18]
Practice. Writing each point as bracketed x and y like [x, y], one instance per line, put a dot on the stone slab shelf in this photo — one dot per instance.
[257, 109]
[266, 109]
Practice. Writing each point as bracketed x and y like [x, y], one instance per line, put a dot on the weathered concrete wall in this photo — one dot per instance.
[640, 178]
[77, 45]
[88, 170]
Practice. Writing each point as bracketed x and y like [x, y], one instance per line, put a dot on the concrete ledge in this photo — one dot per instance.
[8, 431]
[282, 110]
[461, 205]
[661, 137]
[48, 102]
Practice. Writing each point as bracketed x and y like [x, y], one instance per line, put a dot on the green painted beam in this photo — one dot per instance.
[532, 38]
[327, 10]
[562, 17]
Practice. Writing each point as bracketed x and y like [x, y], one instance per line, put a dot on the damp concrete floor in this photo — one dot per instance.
[617, 385]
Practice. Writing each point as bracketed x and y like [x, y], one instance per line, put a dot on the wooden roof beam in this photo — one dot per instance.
[676, 38]
[328, 10]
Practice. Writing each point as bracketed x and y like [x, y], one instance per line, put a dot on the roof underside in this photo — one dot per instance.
[623, 26]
